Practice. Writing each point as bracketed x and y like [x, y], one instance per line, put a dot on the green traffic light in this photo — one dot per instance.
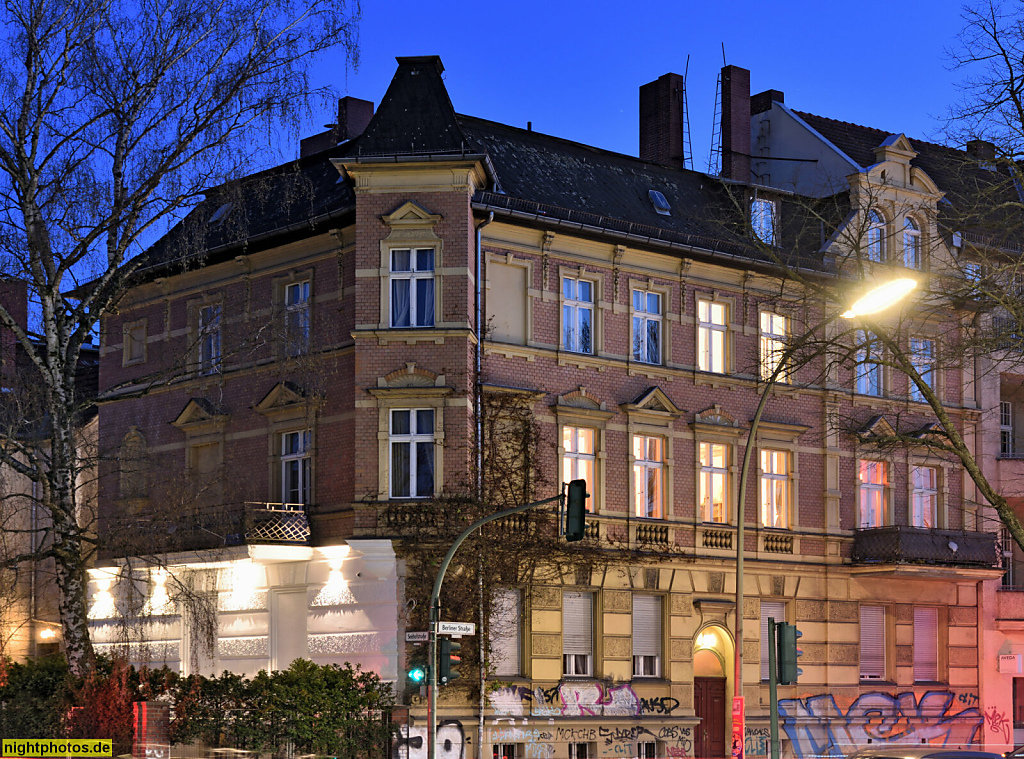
[418, 675]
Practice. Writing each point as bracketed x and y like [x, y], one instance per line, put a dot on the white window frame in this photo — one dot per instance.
[644, 320]
[579, 464]
[709, 474]
[578, 647]
[776, 610]
[413, 276]
[868, 376]
[712, 336]
[300, 461]
[1007, 443]
[774, 338]
[135, 339]
[208, 323]
[873, 655]
[296, 316]
[871, 491]
[647, 641]
[648, 466]
[926, 644]
[764, 214]
[412, 439]
[922, 357]
[505, 632]
[876, 237]
[911, 243]
[776, 488]
[575, 311]
[924, 496]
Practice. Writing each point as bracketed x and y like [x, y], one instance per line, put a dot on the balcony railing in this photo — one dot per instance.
[276, 523]
[918, 545]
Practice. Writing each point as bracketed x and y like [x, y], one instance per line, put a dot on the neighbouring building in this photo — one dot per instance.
[340, 352]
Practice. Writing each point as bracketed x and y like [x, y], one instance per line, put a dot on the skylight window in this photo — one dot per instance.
[221, 213]
[660, 204]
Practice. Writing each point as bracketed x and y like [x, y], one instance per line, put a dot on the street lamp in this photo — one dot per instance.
[875, 300]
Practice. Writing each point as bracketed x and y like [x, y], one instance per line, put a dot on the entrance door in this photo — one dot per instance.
[709, 703]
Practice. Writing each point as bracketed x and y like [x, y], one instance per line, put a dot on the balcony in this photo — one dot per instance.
[276, 523]
[924, 547]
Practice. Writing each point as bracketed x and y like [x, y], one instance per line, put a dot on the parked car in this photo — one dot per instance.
[911, 751]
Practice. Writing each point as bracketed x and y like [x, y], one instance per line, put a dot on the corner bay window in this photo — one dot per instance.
[577, 315]
[648, 476]
[579, 458]
[412, 453]
[646, 327]
[412, 287]
[714, 479]
[295, 467]
[775, 490]
[874, 483]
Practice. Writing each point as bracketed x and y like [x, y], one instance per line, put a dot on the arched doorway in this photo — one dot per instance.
[712, 649]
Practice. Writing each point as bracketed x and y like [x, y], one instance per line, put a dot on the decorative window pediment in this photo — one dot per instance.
[285, 399]
[579, 404]
[653, 401]
[877, 427]
[201, 415]
[411, 376]
[411, 215]
[715, 416]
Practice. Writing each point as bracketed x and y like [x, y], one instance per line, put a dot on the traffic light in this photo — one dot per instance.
[448, 660]
[788, 653]
[418, 674]
[576, 510]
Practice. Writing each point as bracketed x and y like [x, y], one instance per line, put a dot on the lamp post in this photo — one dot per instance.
[875, 300]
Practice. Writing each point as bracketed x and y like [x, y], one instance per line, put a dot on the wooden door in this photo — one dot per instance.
[709, 703]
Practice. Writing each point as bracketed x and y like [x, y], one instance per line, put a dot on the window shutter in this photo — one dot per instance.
[872, 642]
[926, 644]
[776, 610]
[504, 632]
[646, 625]
[577, 623]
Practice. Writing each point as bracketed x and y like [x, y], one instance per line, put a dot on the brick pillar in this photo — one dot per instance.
[152, 730]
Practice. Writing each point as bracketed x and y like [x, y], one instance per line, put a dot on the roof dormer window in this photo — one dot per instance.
[763, 218]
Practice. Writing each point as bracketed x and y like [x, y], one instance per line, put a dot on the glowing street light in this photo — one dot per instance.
[881, 297]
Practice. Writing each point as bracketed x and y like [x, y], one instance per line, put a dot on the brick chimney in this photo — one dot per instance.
[661, 121]
[736, 123]
[981, 150]
[353, 116]
[762, 101]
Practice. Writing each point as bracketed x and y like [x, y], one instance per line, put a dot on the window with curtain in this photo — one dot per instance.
[874, 484]
[412, 453]
[872, 642]
[714, 482]
[777, 611]
[579, 458]
[646, 327]
[296, 467]
[577, 634]
[648, 476]
[774, 333]
[646, 636]
[926, 644]
[711, 334]
[924, 496]
[412, 287]
[775, 489]
[577, 315]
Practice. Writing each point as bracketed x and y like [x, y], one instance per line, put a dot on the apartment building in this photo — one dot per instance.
[320, 343]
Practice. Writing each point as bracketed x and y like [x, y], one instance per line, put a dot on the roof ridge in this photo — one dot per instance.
[916, 140]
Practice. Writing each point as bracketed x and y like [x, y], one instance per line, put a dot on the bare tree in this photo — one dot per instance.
[115, 117]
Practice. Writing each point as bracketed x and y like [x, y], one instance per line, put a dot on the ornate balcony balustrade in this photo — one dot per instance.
[899, 544]
[276, 523]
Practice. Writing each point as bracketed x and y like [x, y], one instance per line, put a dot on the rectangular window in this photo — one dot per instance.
[646, 327]
[872, 642]
[412, 453]
[868, 369]
[646, 636]
[647, 750]
[577, 634]
[578, 315]
[135, 342]
[763, 215]
[711, 331]
[926, 644]
[579, 458]
[412, 287]
[1007, 445]
[774, 333]
[505, 627]
[874, 484]
[296, 317]
[295, 467]
[777, 611]
[922, 356]
[648, 476]
[506, 751]
[775, 489]
[714, 482]
[580, 751]
[209, 339]
[925, 496]
[1018, 703]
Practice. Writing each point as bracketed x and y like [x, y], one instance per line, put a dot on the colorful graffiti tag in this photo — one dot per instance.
[817, 726]
[451, 741]
[571, 699]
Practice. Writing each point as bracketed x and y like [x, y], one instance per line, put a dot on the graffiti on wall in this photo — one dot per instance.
[817, 726]
[614, 741]
[569, 699]
[411, 742]
[998, 723]
[755, 741]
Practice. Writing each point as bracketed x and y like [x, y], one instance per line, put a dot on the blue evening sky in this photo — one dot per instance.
[574, 69]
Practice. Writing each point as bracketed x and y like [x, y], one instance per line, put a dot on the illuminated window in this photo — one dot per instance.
[648, 476]
[714, 482]
[295, 467]
[774, 332]
[874, 485]
[925, 496]
[911, 244]
[775, 489]
[711, 332]
[579, 459]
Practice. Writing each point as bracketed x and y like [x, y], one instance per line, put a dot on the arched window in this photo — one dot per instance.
[876, 236]
[911, 244]
[132, 461]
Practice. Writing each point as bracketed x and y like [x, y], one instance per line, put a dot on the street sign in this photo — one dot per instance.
[417, 637]
[456, 628]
